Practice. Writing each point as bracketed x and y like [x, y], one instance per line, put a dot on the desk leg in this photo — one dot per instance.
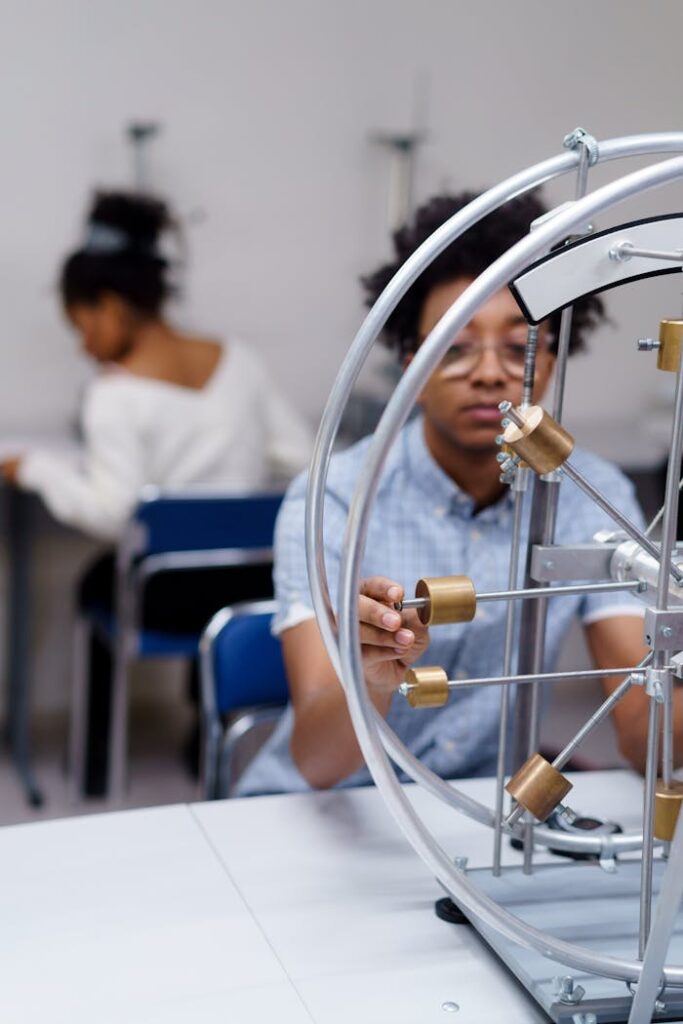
[19, 530]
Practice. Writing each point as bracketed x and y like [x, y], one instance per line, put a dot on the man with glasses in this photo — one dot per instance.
[441, 510]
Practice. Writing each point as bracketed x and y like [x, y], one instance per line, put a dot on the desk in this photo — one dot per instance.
[20, 510]
[303, 909]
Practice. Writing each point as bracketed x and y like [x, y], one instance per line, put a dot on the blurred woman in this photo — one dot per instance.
[167, 408]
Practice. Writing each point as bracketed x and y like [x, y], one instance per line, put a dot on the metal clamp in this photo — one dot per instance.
[659, 1006]
[655, 681]
[580, 137]
[663, 630]
[550, 563]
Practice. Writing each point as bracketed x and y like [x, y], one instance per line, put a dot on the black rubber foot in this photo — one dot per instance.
[446, 909]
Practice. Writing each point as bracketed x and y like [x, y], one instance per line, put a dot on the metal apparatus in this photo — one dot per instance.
[538, 449]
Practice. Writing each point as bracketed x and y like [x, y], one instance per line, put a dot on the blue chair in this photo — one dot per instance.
[193, 529]
[243, 684]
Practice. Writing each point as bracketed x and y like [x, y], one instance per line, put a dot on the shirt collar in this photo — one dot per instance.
[441, 492]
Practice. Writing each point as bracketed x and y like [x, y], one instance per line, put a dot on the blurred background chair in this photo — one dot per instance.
[243, 687]
[167, 533]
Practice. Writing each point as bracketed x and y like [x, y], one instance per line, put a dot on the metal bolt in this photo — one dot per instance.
[548, 564]
[567, 992]
[666, 631]
[450, 1007]
[501, 457]
[460, 863]
[505, 406]
[647, 344]
[505, 423]
[500, 439]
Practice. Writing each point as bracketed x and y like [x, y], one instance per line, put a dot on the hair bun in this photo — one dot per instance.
[142, 218]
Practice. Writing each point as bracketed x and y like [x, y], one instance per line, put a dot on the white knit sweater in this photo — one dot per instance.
[236, 432]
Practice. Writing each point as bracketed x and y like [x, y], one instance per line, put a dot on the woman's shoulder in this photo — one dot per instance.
[115, 393]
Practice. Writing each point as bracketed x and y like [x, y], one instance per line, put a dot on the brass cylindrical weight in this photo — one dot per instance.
[668, 800]
[450, 599]
[430, 684]
[538, 787]
[541, 442]
[669, 351]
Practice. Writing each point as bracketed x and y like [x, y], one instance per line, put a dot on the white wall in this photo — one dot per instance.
[267, 107]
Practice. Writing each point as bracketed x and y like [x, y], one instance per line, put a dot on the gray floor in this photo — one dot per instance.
[157, 774]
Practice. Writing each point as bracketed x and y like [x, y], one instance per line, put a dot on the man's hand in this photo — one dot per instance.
[390, 641]
[324, 745]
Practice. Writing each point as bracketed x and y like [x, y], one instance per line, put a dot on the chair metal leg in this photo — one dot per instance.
[210, 743]
[79, 706]
[118, 738]
[240, 727]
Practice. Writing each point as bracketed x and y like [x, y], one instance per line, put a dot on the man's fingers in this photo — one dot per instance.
[372, 635]
[380, 588]
[379, 655]
[372, 613]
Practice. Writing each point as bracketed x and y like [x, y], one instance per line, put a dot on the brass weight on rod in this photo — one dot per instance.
[669, 351]
[538, 787]
[449, 599]
[429, 687]
[541, 441]
[668, 801]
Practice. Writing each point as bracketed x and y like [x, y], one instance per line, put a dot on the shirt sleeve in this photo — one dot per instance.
[290, 574]
[621, 493]
[98, 496]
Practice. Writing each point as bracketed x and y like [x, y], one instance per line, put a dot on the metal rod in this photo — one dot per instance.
[529, 366]
[623, 251]
[648, 827]
[598, 716]
[567, 315]
[536, 677]
[584, 731]
[667, 732]
[659, 515]
[563, 339]
[533, 593]
[668, 905]
[668, 540]
[508, 654]
[626, 524]
[527, 398]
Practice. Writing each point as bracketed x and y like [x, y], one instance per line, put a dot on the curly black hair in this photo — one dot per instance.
[468, 256]
[133, 268]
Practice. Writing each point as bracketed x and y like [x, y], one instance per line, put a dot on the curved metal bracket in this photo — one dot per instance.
[587, 265]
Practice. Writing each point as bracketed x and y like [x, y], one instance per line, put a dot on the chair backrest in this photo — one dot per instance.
[241, 660]
[203, 522]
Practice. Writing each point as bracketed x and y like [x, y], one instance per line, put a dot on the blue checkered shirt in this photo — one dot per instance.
[423, 524]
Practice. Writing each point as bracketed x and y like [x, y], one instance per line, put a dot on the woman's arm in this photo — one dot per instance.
[98, 496]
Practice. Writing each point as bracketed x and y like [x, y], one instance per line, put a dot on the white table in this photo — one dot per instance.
[293, 909]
